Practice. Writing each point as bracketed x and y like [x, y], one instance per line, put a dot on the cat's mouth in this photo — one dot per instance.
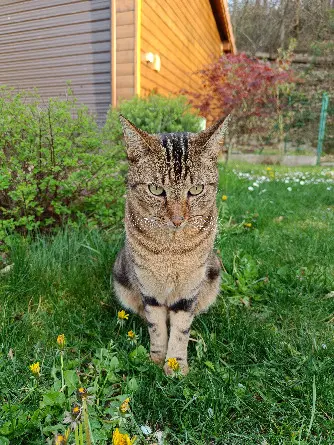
[175, 228]
[160, 222]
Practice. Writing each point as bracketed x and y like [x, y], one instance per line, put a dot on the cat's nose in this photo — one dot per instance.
[177, 220]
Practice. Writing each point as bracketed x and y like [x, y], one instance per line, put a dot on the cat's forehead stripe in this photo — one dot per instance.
[176, 152]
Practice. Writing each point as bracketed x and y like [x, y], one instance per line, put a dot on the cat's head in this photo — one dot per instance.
[173, 176]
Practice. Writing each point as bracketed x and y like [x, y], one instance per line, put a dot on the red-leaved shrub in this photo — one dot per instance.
[242, 85]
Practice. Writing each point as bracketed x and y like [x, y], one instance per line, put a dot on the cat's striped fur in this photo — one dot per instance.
[167, 269]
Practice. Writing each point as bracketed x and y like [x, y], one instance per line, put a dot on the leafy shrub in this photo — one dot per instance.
[154, 114]
[238, 82]
[57, 166]
[54, 167]
[245, 86]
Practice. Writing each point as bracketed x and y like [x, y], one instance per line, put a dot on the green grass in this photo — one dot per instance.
[261, 360]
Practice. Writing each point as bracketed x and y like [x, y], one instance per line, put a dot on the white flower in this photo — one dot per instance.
[250, 188]
[324, 346]
[255, 184]
[302, 183]
[146, 429]
[289, 189]
[329, 188]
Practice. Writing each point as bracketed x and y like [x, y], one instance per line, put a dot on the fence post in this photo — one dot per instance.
[322, 126]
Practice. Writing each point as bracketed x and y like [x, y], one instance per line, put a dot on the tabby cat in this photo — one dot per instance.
[167, 269]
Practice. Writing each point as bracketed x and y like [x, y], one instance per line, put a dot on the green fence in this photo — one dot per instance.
[302, 125]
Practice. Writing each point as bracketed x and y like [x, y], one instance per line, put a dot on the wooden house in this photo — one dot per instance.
[110, 49]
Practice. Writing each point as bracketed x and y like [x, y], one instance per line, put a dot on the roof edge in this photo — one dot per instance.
[224, 24]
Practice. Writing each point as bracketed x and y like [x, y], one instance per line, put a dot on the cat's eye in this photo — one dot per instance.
[156, 190]
[196, 190]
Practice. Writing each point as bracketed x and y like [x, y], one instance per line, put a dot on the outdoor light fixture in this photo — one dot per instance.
[153, 60]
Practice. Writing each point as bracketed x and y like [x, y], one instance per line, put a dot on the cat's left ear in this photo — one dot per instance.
[138, 142]
[209, 141]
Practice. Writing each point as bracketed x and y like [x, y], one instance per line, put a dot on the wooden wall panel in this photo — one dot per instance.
[185, 36]
[125, 49]
[47, 43]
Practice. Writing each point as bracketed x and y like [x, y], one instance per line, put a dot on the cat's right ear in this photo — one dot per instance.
[138, 142]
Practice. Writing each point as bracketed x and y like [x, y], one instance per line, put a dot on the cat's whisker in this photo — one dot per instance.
[154, 222]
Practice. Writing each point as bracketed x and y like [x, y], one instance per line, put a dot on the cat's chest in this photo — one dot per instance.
[167, 277]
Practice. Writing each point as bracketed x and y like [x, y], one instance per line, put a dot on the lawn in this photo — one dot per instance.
[262, 359]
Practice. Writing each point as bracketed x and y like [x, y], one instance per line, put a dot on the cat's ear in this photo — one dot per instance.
[209, 141]
[138, 142]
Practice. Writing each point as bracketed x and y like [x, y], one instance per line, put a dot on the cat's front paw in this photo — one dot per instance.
[173, 366]
[158, 359]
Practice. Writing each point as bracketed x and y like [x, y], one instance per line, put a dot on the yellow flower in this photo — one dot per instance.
[132, 337]
[122, 315]
[125, 405]
[60, 440]
[121, 439]
[268, 169]
[35, 368]
[224, 198]
[248, 225]
[82, 393]
[173, 364]
[61, 340]
[76, 411]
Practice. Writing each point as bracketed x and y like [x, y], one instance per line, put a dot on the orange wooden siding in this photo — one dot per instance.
[125, 49]
[185, 36]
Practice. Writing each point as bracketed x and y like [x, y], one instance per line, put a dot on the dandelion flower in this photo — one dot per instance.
[224, 198]
[173, 364]
[61, 340]
[122, 315]
[61, 439]
[82, 393]
[121, 439]
[125, 405]
[35, 369]
[73, 417]
[76, 410]
[248, 225]
[132, 337]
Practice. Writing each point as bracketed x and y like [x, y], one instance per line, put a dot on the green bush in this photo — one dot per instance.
[154, 114]
[54, 167]
[57, 166]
